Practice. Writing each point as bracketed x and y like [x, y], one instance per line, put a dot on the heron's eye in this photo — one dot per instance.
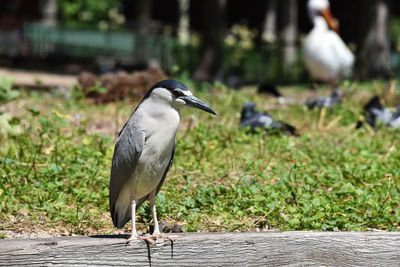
[177, 92]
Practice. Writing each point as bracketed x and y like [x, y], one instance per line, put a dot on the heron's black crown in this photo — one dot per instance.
[167, 84]
[170, 85]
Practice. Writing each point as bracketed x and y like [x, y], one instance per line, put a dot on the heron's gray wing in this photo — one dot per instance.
[140, 201]
[127, 151]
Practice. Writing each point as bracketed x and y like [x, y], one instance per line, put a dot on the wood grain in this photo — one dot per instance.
[210, 249]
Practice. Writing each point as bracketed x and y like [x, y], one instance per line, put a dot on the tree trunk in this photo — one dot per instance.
[49, 12]
[213, 20]
[183, 31]
[143, 17]
[269, 28]
[288, 38]
[374, 42]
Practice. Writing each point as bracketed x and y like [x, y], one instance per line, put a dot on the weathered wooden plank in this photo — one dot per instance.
[211, 249]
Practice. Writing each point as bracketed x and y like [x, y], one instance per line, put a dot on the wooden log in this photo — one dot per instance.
[210, 249]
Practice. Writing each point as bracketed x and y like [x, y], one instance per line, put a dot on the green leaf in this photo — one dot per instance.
[318, 215]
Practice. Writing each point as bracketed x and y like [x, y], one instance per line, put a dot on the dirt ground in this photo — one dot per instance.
[37, 78]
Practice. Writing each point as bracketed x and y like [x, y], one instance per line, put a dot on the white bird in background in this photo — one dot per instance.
[325, 55]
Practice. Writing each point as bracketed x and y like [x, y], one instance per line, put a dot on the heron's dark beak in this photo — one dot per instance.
[330, 20]
[193, 101]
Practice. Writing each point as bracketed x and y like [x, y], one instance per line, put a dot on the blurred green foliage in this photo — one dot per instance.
[395, 32]
[239, 40]
[101, 14]
[6, 92]
[9, 128]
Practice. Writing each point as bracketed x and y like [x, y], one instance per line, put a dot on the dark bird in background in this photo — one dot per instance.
[268, 88]
[375, 112]
[252, 118]
[325, 101]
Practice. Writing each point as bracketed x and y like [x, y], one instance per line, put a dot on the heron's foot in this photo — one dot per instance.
[136, 237]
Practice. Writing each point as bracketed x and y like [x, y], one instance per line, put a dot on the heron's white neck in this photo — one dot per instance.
[159, 118]
[158, 107]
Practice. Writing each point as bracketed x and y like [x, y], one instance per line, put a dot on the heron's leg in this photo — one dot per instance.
[133, 209]
[157, 234]
[152, 199]
[135, 235]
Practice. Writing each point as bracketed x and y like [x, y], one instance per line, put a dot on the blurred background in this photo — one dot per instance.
[72, 71]
[227, 40]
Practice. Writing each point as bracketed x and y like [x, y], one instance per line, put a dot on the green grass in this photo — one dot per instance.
[55, 175]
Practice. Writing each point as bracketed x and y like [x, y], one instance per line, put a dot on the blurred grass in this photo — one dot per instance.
[55, 175]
